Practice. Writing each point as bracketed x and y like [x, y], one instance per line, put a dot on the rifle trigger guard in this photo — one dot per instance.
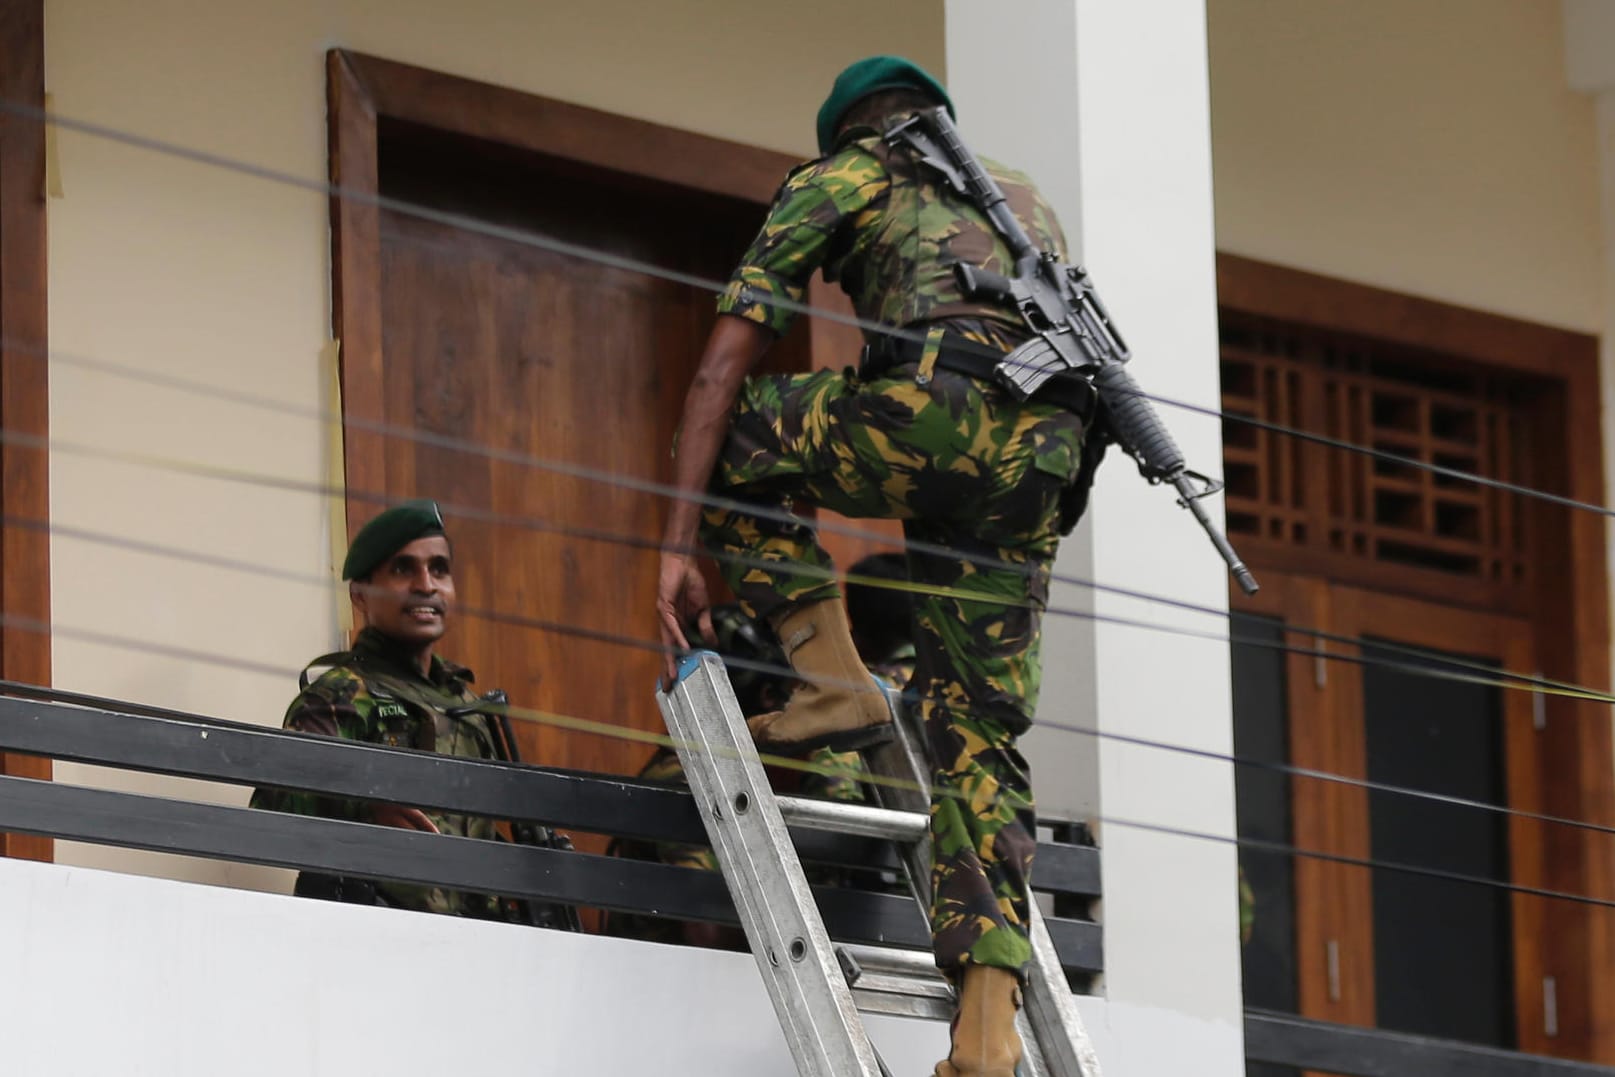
[1208, 487]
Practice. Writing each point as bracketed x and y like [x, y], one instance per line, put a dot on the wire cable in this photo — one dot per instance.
[1488, 675]
[580, 251]
[1527, 682]
[583, 252]
[1372, 863]
[784, 671]
[581, 724]
[1516, 679]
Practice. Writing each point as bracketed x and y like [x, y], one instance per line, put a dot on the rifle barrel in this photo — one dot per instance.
[1190, 498]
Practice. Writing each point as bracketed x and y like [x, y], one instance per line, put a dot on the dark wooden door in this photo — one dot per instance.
[1442, 960]
[1380, 946]
[568, 374]
[24, 410]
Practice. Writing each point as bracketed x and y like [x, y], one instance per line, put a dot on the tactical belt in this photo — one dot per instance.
[962, 355]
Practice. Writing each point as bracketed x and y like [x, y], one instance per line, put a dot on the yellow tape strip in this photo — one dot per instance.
[53, 160]
[336, 485]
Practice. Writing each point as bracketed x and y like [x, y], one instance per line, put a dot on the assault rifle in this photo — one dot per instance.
[494, 707]
[1072, 330]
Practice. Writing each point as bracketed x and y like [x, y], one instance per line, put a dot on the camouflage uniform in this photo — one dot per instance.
[835, 777]
[959, 461]
[379, 697]
[896, 669]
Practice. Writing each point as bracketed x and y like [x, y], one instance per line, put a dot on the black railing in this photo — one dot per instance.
[1286, 1040]
[139, 738]
[133, 737]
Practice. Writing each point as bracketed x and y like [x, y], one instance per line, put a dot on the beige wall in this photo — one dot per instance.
[174, 269]
[1426, 146]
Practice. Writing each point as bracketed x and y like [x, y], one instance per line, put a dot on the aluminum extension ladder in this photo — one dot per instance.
[819, 988]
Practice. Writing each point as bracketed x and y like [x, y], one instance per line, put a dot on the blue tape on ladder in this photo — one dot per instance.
[692, 662]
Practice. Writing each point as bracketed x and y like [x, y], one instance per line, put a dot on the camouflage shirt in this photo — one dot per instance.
[377, 695]
[889, 230]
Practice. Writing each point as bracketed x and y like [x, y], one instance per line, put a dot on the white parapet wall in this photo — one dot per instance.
[107, 973]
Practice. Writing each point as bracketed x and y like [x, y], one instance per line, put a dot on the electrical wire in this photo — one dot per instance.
[1490, 675]
[1487, 675]
[1372, 863]
[586, 725]
[586, 253]
[1492, 679]
[579, 251]
[784, 671]
[471, 224]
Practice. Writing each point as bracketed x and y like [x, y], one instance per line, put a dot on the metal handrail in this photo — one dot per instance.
[1287, 1040]
[153, 740]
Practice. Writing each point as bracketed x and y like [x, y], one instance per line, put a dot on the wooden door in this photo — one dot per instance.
[24, 410]
[1378, 946]
[567, 373]
[1515, 581]
[563, 367]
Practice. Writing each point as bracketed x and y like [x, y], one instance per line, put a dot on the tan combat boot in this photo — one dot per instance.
[985, 1043]
[838, 705]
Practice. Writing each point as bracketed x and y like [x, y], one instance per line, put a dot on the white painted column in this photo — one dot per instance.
[1106, 105]
[1589, 27]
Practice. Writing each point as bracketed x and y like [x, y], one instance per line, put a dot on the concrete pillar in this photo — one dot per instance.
[1106, 105]
[1589, 28]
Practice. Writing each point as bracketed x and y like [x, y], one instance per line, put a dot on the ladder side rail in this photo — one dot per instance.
[1051, 1009]
[902, 761]
[1052, 1032]
[793, 951]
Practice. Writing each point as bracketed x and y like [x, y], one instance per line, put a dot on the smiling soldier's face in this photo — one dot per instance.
[411, 594]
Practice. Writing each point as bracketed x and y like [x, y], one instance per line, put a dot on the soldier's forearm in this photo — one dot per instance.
[732, 350]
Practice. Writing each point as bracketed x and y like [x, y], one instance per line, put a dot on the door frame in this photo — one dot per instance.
[1364, 614]
[1324, 697]
[25, 643]
[1568, 618]
[365, 91]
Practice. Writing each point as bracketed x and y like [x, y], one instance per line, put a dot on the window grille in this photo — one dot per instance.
[1337, 505]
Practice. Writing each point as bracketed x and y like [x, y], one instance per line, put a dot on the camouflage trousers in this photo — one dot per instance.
[971, 472]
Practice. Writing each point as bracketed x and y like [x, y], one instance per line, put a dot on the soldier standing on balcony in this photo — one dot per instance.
[921, 433]
[392, 688]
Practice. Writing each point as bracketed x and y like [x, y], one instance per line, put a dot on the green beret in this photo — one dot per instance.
[388, 533]
[871, 75]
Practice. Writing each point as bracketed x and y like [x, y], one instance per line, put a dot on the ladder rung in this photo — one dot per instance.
[840, 818]
[816, 987]
[905, 983]
[916, 963]
[899, 1001]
